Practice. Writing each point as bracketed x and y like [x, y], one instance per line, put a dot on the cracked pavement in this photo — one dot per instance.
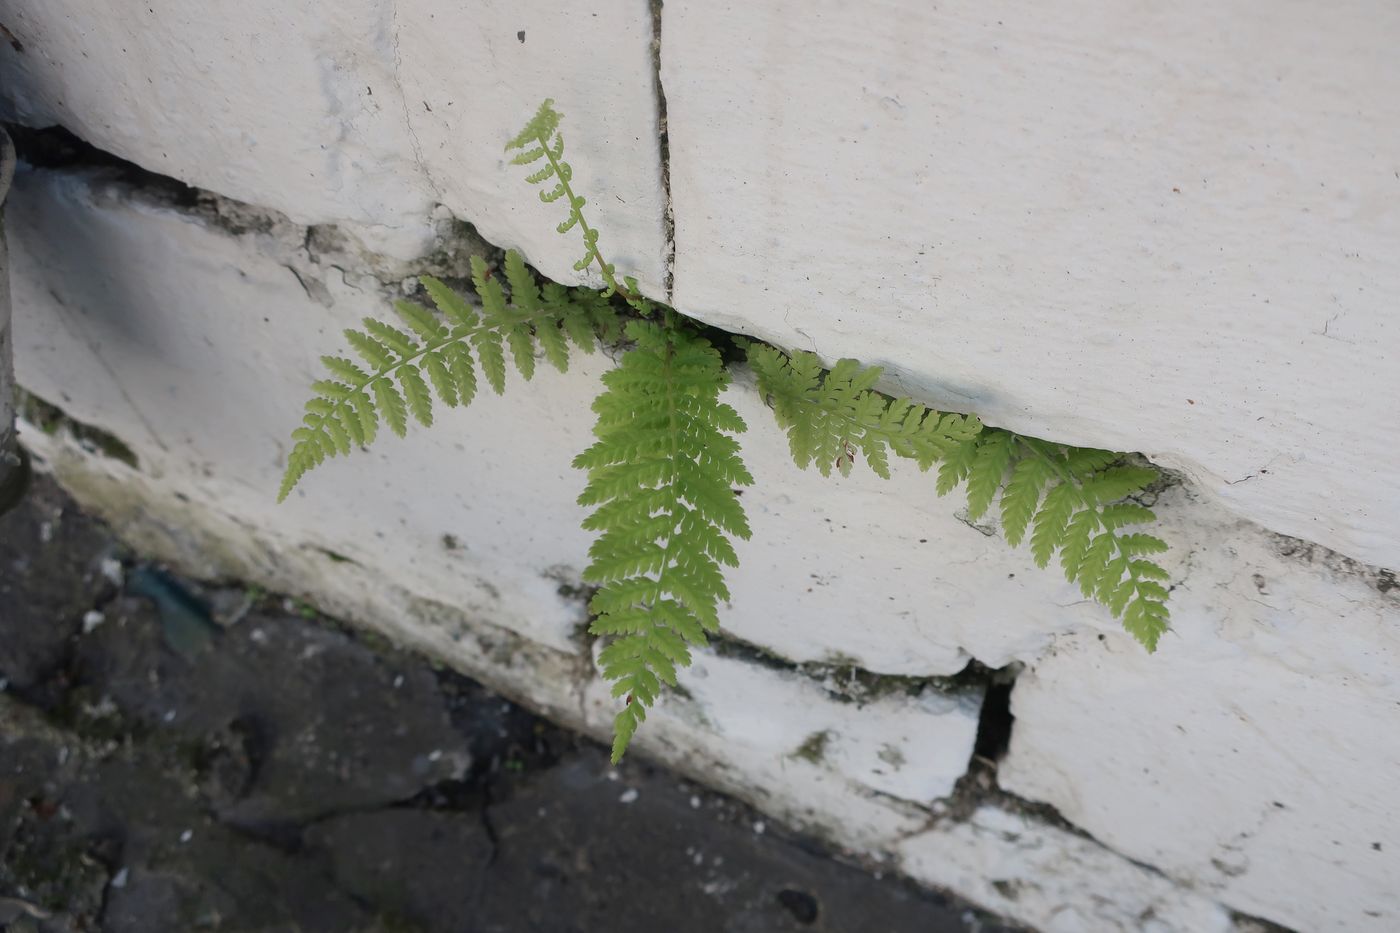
[178, 757]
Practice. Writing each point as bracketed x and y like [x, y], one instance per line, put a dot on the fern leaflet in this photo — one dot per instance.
[831, 416]
[660, 480]
[1070, 501]
[388, 384]
[1067, 498]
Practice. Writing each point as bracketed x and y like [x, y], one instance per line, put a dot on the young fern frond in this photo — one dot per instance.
[402, 372]
[831, 417]
[1067, 497]
[541, 139]
[660, 481]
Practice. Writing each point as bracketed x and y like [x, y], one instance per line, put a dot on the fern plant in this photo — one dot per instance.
[663, 471]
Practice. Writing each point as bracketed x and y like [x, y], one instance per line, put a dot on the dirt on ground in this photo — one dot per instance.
[177, 756]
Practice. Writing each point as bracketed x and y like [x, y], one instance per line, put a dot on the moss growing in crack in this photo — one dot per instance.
[813, 748]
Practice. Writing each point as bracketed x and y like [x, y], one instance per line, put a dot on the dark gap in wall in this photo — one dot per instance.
[664, 141]
[847, 682]
[54, 147]
[1253, 924]
[978, 784]
[994, 724]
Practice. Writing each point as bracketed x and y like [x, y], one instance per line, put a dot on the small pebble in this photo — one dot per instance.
[112, 570]
[187, 835]
[91, 620]
[119, 879]
[695, 803]
[759, 827]
[630, 795]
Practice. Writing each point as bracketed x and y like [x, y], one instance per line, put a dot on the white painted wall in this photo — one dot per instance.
[979, 196]
[365, 116]
[1170, 228]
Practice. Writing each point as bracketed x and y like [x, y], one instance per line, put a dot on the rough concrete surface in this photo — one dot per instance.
[178, 757]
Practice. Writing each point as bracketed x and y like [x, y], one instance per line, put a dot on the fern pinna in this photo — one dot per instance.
[661, 479]
[663, 470]
[1068, 497]
[1072, 500]
[347, 408]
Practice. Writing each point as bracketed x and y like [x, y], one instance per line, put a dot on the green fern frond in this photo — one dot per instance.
[541, 139]
[390, 385]
[537, 132]
[833, 417]
[1069, 499]
[661, 480]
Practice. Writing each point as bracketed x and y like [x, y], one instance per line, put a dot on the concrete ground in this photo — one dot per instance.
[177, 757]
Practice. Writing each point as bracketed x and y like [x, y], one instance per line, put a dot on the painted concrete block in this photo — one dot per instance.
[369, 117]
[1169, 230]
[1252, 758]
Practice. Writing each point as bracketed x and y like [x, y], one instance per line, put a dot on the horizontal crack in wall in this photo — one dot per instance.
[51, 419]
[847, 682]
[1380, 579]
[309, 250]
[328, 246]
